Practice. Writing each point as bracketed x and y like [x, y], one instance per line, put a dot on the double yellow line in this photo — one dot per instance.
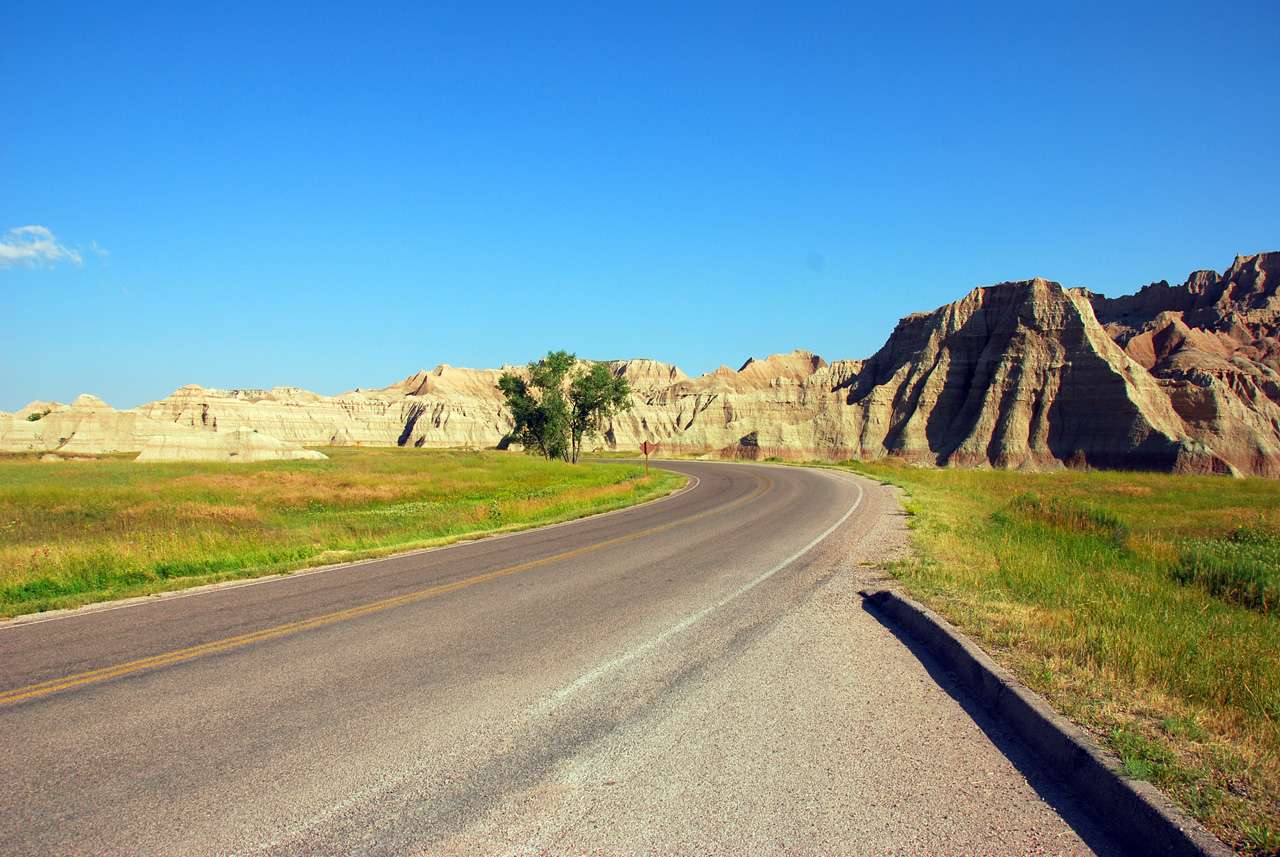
[350, 613]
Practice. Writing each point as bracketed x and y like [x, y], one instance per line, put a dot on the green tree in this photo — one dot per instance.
[561, 403]
[595, 396]
[538, 405]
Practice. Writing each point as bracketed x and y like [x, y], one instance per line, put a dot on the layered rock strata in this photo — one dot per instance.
[89, 426]
[1025, 374]
[1213, 345]
[240, 445]
[446, 407]
[1015, 375]
[86, 426]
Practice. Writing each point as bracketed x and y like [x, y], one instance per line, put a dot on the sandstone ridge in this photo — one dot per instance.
[89, 426]
[1017, 375]
[1213, 345]
[242, 444]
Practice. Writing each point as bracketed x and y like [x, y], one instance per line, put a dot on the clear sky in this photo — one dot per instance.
[333, 196]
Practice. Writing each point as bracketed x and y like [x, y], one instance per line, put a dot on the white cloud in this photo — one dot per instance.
[34, 247]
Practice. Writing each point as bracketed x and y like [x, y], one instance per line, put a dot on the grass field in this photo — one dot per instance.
[75, 532]
[1144, 606]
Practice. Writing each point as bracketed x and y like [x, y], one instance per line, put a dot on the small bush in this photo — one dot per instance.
[1243, 568]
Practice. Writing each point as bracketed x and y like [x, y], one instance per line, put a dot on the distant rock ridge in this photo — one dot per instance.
[1213, 345]
[89, 426]
[1014, 375]
[1024, 374]
[647, 374]
[240, 445]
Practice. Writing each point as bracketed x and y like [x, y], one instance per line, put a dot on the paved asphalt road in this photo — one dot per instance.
[696, 675]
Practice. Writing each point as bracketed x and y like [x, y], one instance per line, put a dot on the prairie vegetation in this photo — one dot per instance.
[81, 531]
[1143, 606]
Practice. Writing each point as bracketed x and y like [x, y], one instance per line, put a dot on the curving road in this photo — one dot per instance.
[696, 675]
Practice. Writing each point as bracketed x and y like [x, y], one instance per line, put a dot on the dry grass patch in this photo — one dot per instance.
[110, 528]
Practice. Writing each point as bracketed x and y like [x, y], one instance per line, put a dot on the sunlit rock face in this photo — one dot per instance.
[997, 378]
[1017, 375]
[443, 408]
[86, 426]
[240, 445]
[1213, 345]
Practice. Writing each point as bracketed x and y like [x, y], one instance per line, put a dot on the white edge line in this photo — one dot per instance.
[654, 642]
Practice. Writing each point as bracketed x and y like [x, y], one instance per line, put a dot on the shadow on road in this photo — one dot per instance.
[1047, 785]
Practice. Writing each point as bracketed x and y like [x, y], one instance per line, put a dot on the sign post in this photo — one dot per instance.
[647, 448]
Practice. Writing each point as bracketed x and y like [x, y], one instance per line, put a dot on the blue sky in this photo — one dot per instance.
[333, 196]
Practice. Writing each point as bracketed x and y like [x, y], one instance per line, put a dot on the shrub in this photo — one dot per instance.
[1243, 568]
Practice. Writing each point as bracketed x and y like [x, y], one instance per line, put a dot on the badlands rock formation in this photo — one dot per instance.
[447, 407]
[89, 426]
[1213, 345]
[1015, 375]
[1024, 374]
[766, 408]
[242, 444]
[86, 426]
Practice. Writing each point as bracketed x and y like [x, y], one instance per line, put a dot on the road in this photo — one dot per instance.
[693, 676]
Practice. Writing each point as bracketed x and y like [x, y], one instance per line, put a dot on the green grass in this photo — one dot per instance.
[76, 532]
[1243, 568]
[1140, 605]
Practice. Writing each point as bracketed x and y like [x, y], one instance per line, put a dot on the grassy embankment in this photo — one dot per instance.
[82, 531]
[1144, 606]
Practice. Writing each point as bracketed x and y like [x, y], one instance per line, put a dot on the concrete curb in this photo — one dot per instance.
[1143, 818]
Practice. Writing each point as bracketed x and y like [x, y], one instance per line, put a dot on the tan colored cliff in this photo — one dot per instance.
[89, 426]
[764, 408]
[1213, 345]
[1014, 375]
[240, 445]
[443, 408]
[86, 426]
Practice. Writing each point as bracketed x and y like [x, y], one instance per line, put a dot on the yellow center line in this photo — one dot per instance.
[349, 613]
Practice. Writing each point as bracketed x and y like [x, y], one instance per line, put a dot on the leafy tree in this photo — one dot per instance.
[538, 406]
[595, 396]
[562, 403]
